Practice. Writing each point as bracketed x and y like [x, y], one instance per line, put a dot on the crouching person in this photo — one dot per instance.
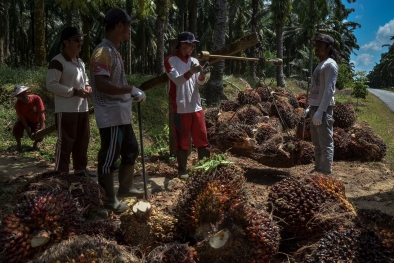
[31, 117]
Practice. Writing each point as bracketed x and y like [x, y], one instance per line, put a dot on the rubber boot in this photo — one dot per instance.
[181, 157]
[107, 182]
[126, 182]
[203, 152]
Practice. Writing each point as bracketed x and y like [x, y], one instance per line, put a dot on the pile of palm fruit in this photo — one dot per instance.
[214, 214]
[49, 217]
[86, 249]
[89, 194]
[267, 125]
[309, 205]
[173, 252]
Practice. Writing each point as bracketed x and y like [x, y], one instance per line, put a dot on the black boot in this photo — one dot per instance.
[126, 182]
[203, 152]
[181, 157]
[107, 182]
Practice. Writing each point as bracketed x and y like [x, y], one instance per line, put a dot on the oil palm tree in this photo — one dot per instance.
[280, 12]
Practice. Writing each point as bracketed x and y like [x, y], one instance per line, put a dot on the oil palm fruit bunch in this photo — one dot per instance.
[41, 182]
[213, 186]
[249, 114]
[344, 115]
[365, 144]
[89, 194]
[303, 152]
[173, 253]
[341, 144]
[380, 223]
[292, 99]
[244, 234]
[309, 205]
[16, 239]
[211, 117]
[86, 249]
[283, 110]
[148, 228]
[50, 216]
[229, 105]
[264, 132]
[105, 228]
[249, 96]
[301, 98]
[349, 245]
[265, 94]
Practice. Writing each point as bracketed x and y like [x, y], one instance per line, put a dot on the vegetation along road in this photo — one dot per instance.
[386, 96]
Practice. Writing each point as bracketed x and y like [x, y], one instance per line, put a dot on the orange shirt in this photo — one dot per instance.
[30, 110]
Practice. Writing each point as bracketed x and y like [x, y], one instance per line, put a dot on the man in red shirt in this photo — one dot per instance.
[31, 117]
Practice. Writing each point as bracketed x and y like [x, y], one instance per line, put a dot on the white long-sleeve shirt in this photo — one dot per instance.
[323, 84]
[183, 91]
[63, 76]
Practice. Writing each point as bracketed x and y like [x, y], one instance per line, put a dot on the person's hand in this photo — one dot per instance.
[206, 68]
[31, 135]
[82, 93]
[138, 95]
[317, 118]
[88, 89]
[195, 68]
[306, 113]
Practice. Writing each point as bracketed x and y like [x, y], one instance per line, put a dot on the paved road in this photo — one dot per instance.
[386, 96]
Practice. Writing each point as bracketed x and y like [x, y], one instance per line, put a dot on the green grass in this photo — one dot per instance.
[154, 113]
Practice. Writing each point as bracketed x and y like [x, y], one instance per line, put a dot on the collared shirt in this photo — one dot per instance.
[323, 84]
[63, 76]
[183, 88]
[110, 110]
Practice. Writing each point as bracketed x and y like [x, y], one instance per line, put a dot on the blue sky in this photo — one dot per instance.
[377, 26]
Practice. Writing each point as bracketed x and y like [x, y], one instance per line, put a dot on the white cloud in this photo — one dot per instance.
[359, 17]
[382, 37]
[364, 60]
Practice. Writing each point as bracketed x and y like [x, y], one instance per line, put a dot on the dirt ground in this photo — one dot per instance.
[368, 185]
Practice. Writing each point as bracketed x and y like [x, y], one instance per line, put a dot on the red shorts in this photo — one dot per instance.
[190, 124]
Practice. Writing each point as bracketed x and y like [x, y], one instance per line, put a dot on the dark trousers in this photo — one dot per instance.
[117, 141]
[18, 129]
[73, 133]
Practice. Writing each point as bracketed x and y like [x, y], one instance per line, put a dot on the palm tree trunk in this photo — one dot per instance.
[161, 20]
[280, 79]
[39, 33]
[215, 83]
[86, 27]
[193, 17]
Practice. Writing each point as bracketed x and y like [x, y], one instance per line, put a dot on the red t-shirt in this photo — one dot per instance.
[31, 109]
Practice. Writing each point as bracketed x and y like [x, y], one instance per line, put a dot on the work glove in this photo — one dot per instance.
[195, 68]
[317, 118]
[206, 69]
[306, 113]
[138, 95]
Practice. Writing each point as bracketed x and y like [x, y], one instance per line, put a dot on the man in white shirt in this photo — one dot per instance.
[321, 102]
